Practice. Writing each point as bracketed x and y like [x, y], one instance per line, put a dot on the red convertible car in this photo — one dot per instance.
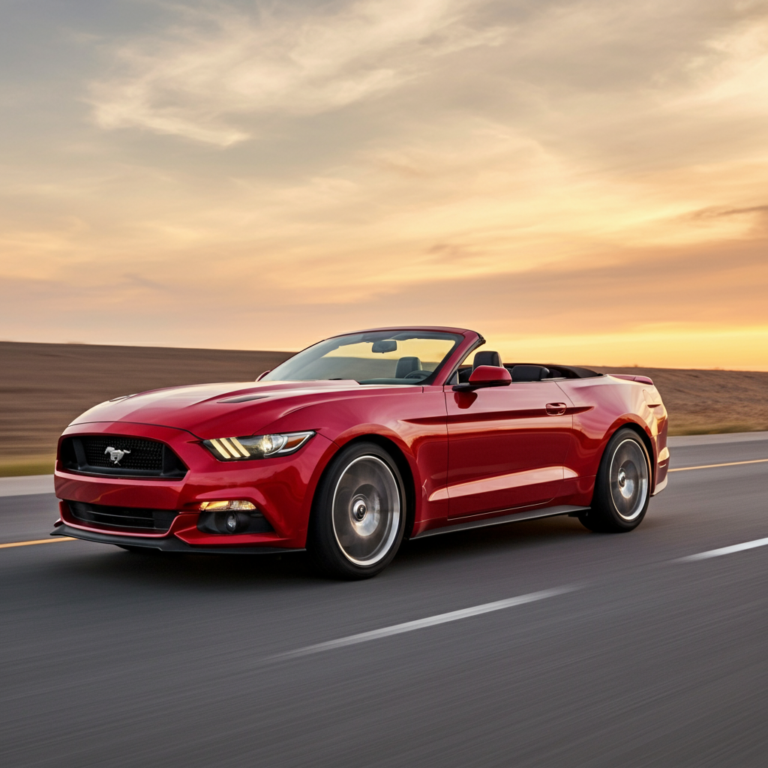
[358, 442]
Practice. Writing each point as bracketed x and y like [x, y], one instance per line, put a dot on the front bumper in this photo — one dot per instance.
[282, 489]
[164, 544]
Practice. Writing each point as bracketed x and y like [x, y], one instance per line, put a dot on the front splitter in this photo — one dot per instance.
[169, 544]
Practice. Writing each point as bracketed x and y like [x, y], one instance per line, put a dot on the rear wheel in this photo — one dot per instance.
[622, 486]
[359, 513]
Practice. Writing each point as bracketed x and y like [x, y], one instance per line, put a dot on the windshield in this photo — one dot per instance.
[380, 357]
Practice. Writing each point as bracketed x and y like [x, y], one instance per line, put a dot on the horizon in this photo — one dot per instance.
[296, 351]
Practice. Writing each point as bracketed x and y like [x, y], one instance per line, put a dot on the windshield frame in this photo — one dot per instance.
[399, 334]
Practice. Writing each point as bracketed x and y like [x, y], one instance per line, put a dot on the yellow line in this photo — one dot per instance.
[38, 541]
[729, 464]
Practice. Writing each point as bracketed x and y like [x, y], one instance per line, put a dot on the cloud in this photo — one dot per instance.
[199, 76]
[529, 167]
[719, 213]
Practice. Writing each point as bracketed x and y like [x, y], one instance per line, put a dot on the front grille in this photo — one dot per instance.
[120, 456]
[146, 455]
[156, 520]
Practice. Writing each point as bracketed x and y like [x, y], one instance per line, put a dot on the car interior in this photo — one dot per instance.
[521, 371]
[410, 370]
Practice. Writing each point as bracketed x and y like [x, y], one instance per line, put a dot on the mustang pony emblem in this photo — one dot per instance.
[115, 455]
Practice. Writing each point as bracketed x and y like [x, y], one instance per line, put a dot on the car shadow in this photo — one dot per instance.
[209, 573]
[495, 539]
[195, 572]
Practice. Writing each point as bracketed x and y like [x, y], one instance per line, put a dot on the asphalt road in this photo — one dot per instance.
[636, 658]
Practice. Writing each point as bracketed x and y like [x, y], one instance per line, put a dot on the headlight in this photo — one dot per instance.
[260, 447]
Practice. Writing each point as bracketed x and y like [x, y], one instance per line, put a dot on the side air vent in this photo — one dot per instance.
[118, 456]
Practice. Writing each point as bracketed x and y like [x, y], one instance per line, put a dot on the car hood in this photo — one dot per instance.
[216, 410]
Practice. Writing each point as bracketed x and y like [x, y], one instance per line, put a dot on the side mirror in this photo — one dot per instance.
[486, 376]
[262, 375]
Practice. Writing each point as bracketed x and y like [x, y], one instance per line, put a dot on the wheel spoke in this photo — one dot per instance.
[366, 510]
[629, 479]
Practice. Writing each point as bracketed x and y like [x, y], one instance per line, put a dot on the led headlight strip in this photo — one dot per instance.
[256, 447]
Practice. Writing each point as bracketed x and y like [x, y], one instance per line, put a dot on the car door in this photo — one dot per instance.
[506, 446]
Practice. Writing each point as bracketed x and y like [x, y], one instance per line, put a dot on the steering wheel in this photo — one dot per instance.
[417, 375]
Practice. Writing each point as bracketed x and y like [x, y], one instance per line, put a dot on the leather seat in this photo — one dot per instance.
[486, 357]
[406, 365]
[529, 372]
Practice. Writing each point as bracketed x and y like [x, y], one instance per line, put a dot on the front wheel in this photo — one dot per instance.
[622, 486]
[358, 517]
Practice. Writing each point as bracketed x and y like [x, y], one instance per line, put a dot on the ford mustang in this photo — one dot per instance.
[358, 442]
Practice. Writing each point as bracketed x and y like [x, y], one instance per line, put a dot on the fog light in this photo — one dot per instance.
[233, 521]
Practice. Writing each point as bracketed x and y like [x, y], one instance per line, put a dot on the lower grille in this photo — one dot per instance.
[156, 520]
[116, 455]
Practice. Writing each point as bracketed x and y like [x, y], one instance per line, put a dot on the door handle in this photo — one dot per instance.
[556, 409]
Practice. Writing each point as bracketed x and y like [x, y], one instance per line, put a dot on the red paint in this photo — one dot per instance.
[632, 377]
[499, 435]
[474, 452]
[490, 375]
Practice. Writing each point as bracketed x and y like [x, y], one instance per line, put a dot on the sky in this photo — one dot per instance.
[581, 182]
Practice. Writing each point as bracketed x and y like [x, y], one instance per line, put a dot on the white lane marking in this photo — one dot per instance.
[724, 551]
[431, 621]
[712, 466]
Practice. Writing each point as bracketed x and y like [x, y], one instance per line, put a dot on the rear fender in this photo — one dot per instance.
[634, 424]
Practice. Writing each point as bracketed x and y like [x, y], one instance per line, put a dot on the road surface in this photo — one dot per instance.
[531, 644]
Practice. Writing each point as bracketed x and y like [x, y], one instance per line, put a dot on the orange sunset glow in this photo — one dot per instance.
[582, 182]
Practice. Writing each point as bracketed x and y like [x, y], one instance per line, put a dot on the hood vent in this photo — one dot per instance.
[243, 399]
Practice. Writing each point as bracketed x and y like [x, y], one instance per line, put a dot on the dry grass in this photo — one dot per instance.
[44, 386]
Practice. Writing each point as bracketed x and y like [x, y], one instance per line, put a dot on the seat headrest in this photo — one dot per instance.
[529, 372]
[406, 365]
[486, 357]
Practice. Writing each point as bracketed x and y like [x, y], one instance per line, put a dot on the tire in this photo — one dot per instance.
[622, 486]
[358, 515]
